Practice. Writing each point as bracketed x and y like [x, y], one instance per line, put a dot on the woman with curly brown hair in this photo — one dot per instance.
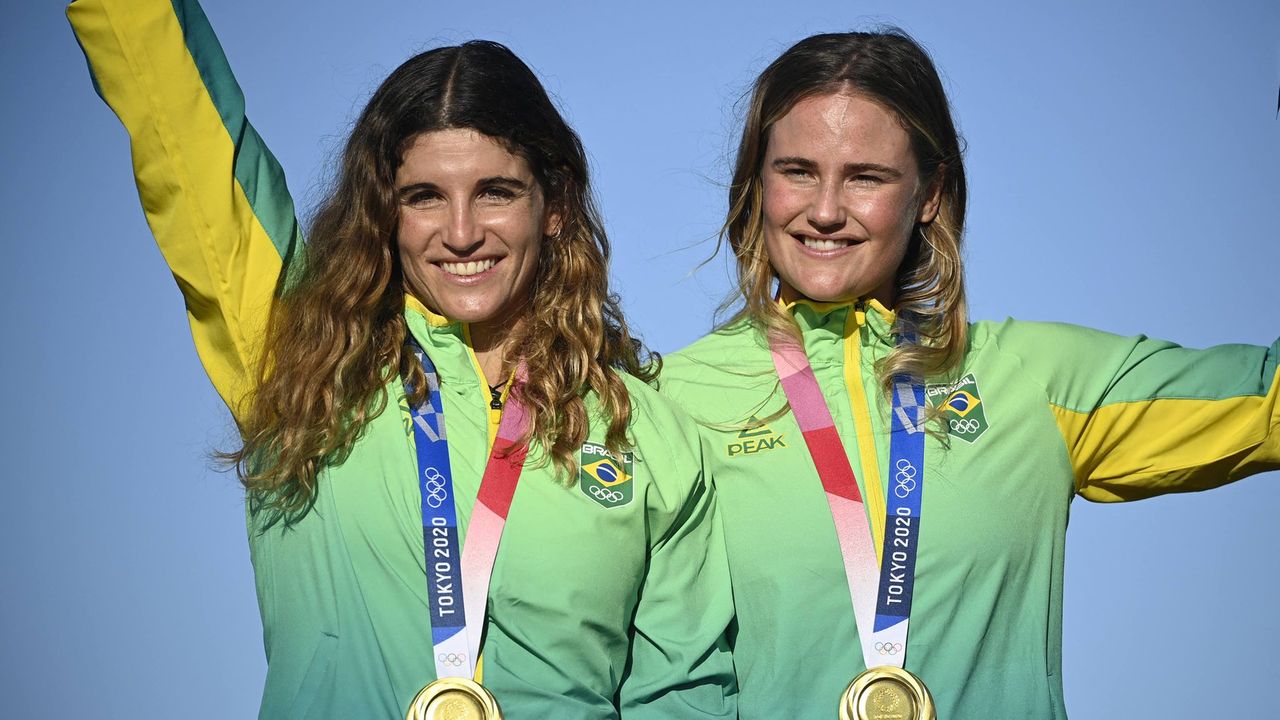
[883, 463]
[439, 368]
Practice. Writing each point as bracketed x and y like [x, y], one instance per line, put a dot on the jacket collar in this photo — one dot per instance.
[814, 315]
[446, 341]
[826, 326]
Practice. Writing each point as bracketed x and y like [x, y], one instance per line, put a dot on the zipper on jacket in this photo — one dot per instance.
[864, 428]
[495, 403]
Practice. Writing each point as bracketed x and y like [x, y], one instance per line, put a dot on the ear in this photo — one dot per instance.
[932, 197]
[554, 222]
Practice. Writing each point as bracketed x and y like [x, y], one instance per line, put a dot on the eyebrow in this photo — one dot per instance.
[510, 182]
[514, 184]
[849, 168]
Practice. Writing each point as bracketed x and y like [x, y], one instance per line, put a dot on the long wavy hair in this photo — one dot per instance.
[890, 68]
[336, 336]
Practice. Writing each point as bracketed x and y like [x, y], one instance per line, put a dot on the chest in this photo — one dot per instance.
[996, 486]
[556, 527]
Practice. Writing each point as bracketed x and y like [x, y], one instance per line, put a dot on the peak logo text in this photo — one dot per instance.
[756, 437]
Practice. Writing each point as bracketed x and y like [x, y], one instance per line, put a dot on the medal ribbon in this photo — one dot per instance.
[881, 611]
[458, 582]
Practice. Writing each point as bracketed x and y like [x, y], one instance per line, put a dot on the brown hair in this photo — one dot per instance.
[890, 68]
[336, 336]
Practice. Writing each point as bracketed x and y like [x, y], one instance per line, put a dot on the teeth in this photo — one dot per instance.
[464, 269]
[816, 244]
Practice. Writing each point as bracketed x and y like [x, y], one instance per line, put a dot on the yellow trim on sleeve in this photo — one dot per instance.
[1133, 450]
[184, 161]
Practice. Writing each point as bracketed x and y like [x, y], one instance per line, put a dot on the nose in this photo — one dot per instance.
[826, 211]
[465, 233]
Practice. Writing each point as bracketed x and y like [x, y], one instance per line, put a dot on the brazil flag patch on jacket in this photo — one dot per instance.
[605, 476]
[963, 413]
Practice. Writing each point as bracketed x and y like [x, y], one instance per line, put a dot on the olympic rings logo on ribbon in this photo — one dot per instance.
[606, 494]
[888, 648]
[967, 426]
[451, 659]
[435, 487]
[905, 478]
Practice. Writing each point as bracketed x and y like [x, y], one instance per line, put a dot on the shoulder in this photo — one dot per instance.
[654, 411]
[1021, 336]
[723, 378]
[666, 451]
[1072, 365]
[1046, 348]
[722, 350]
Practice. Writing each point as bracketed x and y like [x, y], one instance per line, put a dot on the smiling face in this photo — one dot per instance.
[472, 219]
[842, 195]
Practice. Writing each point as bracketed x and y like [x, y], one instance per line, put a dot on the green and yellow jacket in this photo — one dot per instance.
[601, 604]
[1037, 414]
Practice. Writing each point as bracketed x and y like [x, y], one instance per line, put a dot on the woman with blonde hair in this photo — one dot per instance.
[440, 367]
[881, 462]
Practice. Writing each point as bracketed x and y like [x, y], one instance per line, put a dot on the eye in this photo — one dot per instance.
[421, 198]
[797, 174]
[867, 180]
[497, 193]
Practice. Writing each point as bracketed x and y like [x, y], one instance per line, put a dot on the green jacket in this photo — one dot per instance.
[600, 604]
[1038, 413]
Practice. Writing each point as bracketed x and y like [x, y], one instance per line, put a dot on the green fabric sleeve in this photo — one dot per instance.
[1142, 417]
[214, 196]
[680, 664]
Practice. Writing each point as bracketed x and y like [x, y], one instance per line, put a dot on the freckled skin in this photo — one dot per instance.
[840, 167]
[452, 210]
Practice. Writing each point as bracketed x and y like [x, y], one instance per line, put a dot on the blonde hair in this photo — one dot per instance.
[337, 336]
[889, 68]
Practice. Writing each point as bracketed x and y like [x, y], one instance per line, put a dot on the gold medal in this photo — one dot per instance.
[887, 693]
[454, 698]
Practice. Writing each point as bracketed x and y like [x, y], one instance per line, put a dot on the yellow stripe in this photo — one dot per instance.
[1131, 450]
[220, 254]
[872, 492]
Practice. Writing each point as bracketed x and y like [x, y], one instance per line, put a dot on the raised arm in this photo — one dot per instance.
[1143, 417]
[214, 196]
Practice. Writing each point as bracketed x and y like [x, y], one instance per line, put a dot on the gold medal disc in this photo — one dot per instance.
[454, 699]
[887, 693]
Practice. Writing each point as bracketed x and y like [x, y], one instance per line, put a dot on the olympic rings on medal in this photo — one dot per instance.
[435, 487]
[451, 659]
[904, 479]
[888, 648]
[967, 426]
[606, 494]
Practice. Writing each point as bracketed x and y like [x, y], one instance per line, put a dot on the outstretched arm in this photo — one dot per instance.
[1142, 417]
[214, 196]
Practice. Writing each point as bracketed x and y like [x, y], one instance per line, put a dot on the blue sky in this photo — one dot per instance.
[1124, 164]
